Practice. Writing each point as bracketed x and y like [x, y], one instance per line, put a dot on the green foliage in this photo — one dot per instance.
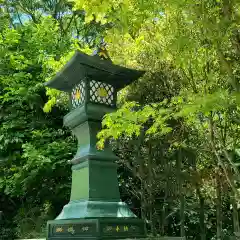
[200, 40]
[177, 128]
[33, 221]
[34, 146]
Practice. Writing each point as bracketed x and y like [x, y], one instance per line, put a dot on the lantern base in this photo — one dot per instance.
[101, 228]
[83, 209]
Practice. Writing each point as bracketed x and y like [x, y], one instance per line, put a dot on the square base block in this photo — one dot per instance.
[102, 228]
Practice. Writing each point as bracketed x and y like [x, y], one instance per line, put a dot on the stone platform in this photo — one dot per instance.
[80, 229]
[160, 238]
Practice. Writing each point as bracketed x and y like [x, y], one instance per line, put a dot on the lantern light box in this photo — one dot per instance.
[89, 79]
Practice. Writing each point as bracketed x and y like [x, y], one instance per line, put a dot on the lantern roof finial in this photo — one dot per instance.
[102, 53]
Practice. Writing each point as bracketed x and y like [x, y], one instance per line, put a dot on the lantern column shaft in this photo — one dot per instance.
[86, 134]
[95, 191]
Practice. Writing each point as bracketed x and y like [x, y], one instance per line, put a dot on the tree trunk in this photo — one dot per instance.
[182, 215]
[143, 215]
[163, 212]
[236, 228]
[219, 204]
[150, 190]
[181, 195]
[201, 212]
[235, 216]
[162, 222]
[201, 201]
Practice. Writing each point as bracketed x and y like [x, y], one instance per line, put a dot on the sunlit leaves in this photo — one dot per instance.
[28, 57]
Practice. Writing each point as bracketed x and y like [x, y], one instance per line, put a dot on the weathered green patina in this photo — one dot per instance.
[95, 210]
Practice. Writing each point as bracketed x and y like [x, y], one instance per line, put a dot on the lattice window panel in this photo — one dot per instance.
[101, 93]
[78, 94]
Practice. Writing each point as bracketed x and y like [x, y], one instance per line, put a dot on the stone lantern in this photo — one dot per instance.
[95, 210]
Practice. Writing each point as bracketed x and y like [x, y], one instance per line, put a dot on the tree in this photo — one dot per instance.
[34, 146]
[200, 40]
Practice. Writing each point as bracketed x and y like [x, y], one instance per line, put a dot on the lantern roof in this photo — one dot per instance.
[83, 66]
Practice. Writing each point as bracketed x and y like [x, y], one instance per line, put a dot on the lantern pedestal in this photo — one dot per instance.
[94, 192]
[95, 210]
